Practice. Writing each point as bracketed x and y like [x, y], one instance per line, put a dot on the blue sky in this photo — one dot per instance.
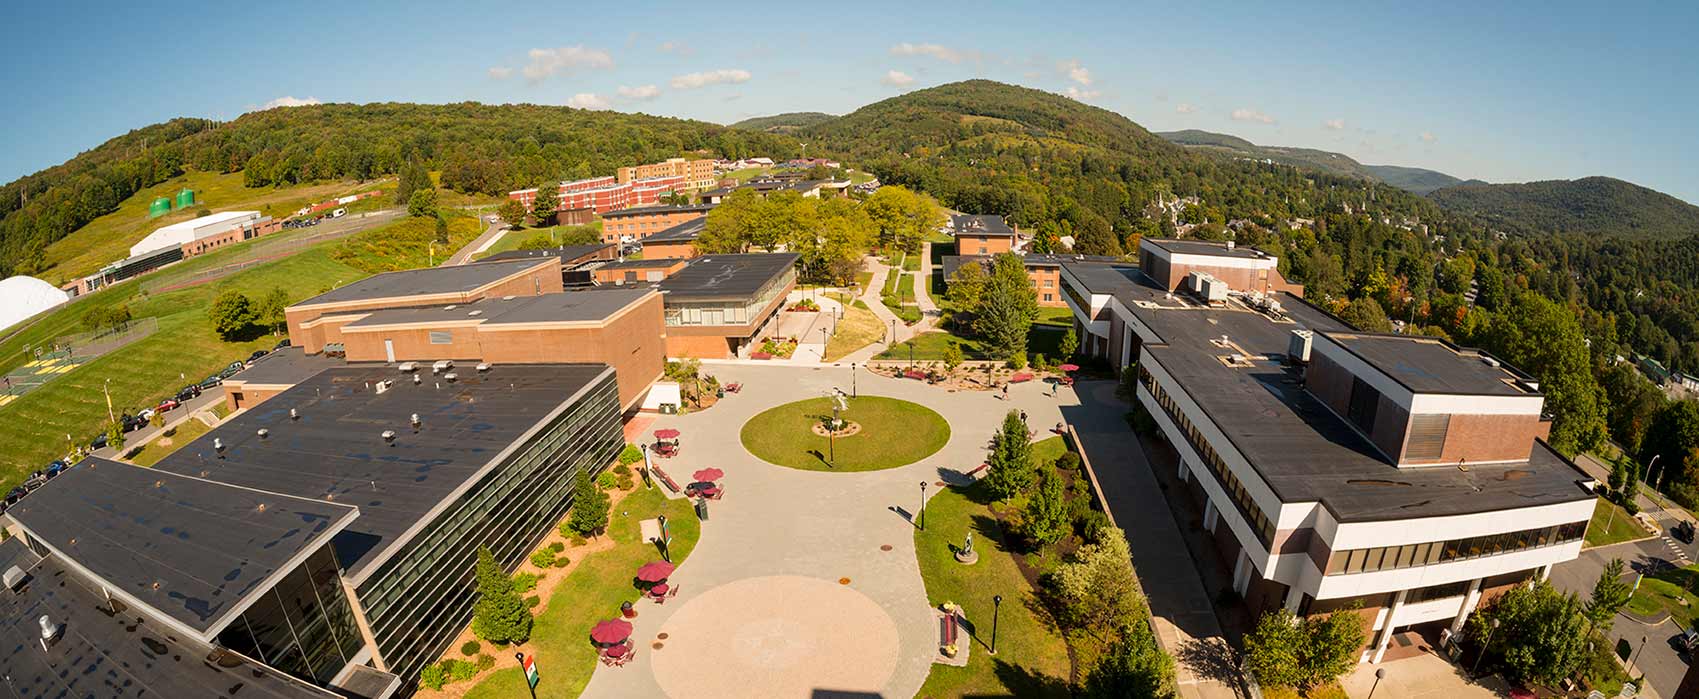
[1475, 89]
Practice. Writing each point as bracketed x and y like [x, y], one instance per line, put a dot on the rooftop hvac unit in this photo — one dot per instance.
[389, 436]
[450, 376]
[483, 366]
[1214, 290]
[1298, 348]
[14, 577]
[1229, 245]
[441, 366]
[408, 366]
[1194, 282]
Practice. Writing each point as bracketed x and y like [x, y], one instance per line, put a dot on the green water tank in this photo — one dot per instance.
[159, 207]
[185, 198]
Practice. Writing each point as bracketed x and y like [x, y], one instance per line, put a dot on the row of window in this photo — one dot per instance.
[1428, 553]
[726, 312]
[304, 626]
[1260, 523]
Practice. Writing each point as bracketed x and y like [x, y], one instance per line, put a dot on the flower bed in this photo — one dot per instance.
[777, 348]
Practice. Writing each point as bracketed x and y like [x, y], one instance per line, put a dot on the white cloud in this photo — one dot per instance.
[1074, 71]
[677, 47]
[690, 81]
[291, 102]
[1334, 124]
[1429, 137]
[547, 62]
[1248, 114]
[588, 100]
[641, 92]
[1185, 108]
[501, 72]
[1082, 95]
[942, 53]
[896, 78]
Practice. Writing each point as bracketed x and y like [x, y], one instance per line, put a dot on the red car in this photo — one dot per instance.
[167, 404]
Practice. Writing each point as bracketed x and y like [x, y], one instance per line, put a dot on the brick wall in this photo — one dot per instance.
[671, 249]
[640, 226]
[969, 244]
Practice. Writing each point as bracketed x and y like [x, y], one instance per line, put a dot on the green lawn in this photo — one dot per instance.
[178, 436]
[1611, 524]
[858, 328]
[513, 237]
[893, 433]
[1664, 591]
[901, 305]
[1032, 658]
[746, 174]
[591, 593]
[1044, 339]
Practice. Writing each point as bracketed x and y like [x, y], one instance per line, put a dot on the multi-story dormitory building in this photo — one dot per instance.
[1335, 468]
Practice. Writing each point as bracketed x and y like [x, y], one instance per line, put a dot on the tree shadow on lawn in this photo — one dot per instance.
[1022, 682]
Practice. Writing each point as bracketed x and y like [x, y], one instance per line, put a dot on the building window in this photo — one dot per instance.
[1427, 437]
[1429, 553]
[1049, 297]
[1361, 410]
[441, 337]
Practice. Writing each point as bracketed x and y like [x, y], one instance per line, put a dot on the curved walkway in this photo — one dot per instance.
[777, 525]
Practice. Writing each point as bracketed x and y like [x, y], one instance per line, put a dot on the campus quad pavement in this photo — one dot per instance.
[764, 608]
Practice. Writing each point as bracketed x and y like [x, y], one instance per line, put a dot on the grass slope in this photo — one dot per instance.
[591, 593]
[893, 433]
[857, 329]
[1611, 525]
[109, 237]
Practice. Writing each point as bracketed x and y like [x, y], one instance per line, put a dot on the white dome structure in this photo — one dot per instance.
[22, 297]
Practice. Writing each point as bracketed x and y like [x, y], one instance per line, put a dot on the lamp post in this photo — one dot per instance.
[1483, 653]
[893, 331]
[853, 392]
[996, 608]
[106, 389]
[1649, 465]
[1631, 665]
[1380, 674]
[922, 518]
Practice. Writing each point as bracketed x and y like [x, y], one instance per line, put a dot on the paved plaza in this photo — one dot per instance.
[791, 591]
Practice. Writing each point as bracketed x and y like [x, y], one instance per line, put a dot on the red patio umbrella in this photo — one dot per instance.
[655, 571]
[611, 631]
[668, 433]
[1069, 367]
[710, 474]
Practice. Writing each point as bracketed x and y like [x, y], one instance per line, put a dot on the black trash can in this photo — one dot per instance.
[702, 508]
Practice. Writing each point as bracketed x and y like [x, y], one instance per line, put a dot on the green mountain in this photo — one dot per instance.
[1413, 179]
[783, 123]
[487, 149]
[1591, 206]
[1410, 179]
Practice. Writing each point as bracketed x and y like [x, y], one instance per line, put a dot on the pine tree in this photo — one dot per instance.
[589, 507]
[1070, 345]
[1007, 309]
[1610, 593]
[500, 615]
[1010, 470]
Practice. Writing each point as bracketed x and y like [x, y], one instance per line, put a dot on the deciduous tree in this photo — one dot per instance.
[1541, 635]
[1304, 653]
[546, 204]
[423, 202]
[1610, 593]
[512, 212]
[231, 313]
[1134, 667]
[1097, 593]
[1045, 518]
[270, 309]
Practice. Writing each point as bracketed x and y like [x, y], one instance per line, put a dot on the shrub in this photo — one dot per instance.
[622, 470]
[533, 601]
[557, 547]
[469, 648]
[578, 540]
[486, 661]
[607, 481]
[522, 582]
[433, 676]
[460, 670]
[542, 558]
[631, 455]
[1068, 461]
[562, 562]
[1092, 525]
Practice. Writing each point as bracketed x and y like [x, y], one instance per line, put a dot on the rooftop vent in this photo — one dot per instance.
[416, 380]
[451, 307]
[389, 436]
[415, 421]
[14, 578]
[450, 376]
[218, 446]
[1229, 245]
[475, 312]
[1489, 361]
[294, 415]
[263, 433]
[49, 631]
[441, 366]
[408, 366]
[484, 366]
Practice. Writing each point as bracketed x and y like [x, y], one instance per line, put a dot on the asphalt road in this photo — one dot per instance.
[174, 417]
[1660, 663]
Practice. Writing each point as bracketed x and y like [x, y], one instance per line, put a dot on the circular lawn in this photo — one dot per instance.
[893, 433]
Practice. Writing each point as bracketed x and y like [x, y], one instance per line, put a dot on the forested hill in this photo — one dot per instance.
[478, 148]
[1410, 179]
[1594, 206]
[1415, 179]
[783, 123]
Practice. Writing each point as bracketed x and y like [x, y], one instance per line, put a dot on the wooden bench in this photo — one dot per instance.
[975, 472]
[664, 478]
[948, 629]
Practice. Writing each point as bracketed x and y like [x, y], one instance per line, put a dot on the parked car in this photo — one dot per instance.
[131, 423]
[257, 354]
[1685, 642]
[166, 405]
[15, 494]
[211, 382]
[56, 468]
[280, 344]
[99, 442]
[188, 393]
[1684, 531]
[231, 370]
[145, 415]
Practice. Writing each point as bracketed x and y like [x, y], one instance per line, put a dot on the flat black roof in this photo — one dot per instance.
[981, 225]
[683, 232]
[113, 651]
[335, 451]
[1431, 365]
[289, 365]
[429, 280]
[638, 264]
[1204, 247]
[951, 263]
[190, 548]
[566, 253]
[663, 209]
[727, 276]
[586, 305]
[1299, 447]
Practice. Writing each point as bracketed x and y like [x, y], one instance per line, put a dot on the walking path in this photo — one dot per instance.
[789, 592]
[478, 244]
[871, 297]
[1183, 613]
[923, 286]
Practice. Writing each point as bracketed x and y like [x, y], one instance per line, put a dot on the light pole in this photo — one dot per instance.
[1380, 674]
[1483, 653]
[996, 608]
[853, 392]
[922, 518]
[1631, 665]
[1649, 465]
[106, 389]
[893, 331]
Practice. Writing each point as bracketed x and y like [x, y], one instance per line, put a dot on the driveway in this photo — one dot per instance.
[1662, 666]
[790, 559]
[175, 417]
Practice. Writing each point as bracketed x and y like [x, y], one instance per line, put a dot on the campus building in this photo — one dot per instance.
[1401, 475]
[720, 305]
[675, 242]
[640, 223]
[326, 541]
[1170, 262]
[1044, 271]
[769, 185]
[982, 235]
[603, 194]
[698, 173]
